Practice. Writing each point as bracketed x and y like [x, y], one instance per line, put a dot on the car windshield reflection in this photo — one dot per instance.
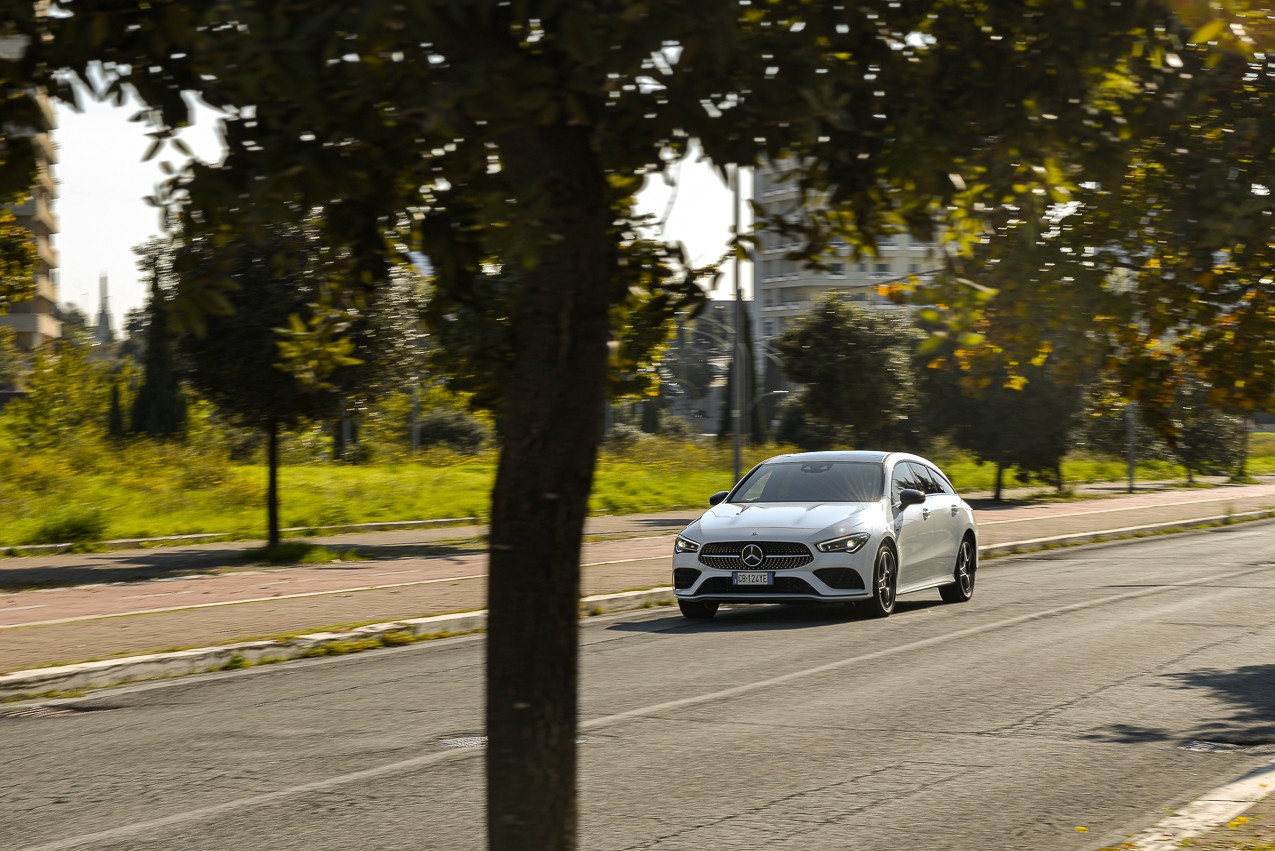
[811, 481]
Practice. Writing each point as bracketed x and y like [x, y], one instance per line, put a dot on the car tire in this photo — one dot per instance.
[700, 610]
[885, 579]
[966, 565]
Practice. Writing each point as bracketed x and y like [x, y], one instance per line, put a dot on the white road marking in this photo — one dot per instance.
[273, 597]
[248, 803]
[1113, 510]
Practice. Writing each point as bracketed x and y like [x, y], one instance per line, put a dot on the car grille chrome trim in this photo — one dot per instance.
[780, 555]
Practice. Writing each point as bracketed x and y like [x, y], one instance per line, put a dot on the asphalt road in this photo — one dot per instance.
[1071, 693]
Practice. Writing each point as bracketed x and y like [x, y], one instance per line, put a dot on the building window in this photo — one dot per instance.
[883, 268]
[913, 268]
[837, 269]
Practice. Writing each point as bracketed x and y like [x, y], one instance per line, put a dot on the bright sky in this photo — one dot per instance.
[102, 181]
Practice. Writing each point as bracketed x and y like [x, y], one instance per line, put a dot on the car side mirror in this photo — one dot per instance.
[910, 496]
[718, 497]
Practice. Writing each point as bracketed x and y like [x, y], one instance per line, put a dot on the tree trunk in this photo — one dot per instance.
[553, 424]
[1000, 476]
[272, 485]
[1241, 468]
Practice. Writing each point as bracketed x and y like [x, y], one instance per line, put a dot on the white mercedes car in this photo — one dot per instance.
[829, 527]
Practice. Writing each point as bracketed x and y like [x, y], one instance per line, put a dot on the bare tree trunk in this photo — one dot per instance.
[553, 423]
[272, 484]
[1000, 477]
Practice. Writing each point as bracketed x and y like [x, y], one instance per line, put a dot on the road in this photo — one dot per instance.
[1069, 694]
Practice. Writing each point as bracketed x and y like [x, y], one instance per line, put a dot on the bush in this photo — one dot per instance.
[73, 525]
[798, 428]
[455, 429]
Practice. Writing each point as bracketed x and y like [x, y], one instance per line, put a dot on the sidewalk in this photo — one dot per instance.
[105, 605]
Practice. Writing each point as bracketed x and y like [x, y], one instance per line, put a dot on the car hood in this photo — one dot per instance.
[729, 518]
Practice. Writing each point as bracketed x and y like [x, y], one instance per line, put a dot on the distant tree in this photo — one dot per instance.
[159, 408]
[752, 417]
[115, 416]
[238, 360]
[1024, 420]
[856, 366]
[1203, 438]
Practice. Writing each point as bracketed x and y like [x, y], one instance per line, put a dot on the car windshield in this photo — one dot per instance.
[812, 481]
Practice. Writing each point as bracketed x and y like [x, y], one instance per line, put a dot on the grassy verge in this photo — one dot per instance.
[92, 491]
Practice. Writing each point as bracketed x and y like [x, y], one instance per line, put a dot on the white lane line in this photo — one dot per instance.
[1113, 510]
[1207, 812]
[242, 804]
[19, 608]
[297, 595]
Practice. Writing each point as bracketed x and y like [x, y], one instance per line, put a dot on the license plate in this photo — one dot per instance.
[753, 577]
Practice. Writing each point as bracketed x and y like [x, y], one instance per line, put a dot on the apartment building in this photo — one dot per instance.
[34, 320]
[784, 288]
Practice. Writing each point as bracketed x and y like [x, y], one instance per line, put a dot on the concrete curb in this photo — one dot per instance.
[108, 672]
[89, 675]
[213, 537]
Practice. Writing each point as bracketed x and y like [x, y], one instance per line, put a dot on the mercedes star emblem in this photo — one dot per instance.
[752, 556]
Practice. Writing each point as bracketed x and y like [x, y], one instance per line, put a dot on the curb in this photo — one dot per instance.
[20, 685]
[213, 537]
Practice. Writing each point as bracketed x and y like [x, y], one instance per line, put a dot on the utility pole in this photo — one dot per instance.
[1130, 413]
[739, 360]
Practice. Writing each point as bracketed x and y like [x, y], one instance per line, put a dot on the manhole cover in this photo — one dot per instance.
[1227, 747]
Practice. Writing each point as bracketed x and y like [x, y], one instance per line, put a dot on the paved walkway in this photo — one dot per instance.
[92, 606]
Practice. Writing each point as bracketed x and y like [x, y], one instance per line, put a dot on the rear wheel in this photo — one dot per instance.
[885, 577]
[963, 588]
[697, 609]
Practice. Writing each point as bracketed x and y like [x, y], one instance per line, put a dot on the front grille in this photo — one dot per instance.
[841, 578]
[782, 585]
[780, 555]
[684, 577]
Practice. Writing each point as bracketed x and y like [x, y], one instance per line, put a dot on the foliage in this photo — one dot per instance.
[159, 408]
[17, 262]
[12, 361]
[797, 427]
[67, 395]
[1204, 439]
[1025, 424]
[856, 367]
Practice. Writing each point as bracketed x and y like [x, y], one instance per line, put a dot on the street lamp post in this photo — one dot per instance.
[739, 359]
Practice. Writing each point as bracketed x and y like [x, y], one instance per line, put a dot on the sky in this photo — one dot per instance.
[102, 215]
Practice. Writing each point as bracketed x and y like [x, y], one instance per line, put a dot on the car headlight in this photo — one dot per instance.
[844, 544]
[685, 545]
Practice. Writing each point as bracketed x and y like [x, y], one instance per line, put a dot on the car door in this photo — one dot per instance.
[944, 529]
[911, 527]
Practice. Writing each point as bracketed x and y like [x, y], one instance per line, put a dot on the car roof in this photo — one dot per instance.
[846, 455]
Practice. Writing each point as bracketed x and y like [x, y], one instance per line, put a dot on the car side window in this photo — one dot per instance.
[904, 477]
[934, 480]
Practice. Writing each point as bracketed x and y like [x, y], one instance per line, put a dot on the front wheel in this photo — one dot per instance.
[963, 587]
[697, 609]
[885, 577]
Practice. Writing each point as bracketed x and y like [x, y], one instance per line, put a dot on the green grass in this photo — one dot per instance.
[91, 491]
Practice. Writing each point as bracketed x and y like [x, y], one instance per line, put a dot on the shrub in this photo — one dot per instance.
[454, 428]
[76, 524]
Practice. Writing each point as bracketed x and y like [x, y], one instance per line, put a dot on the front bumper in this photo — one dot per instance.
[827, 577]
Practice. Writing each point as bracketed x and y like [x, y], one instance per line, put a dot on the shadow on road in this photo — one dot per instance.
[764, 617]
[1248, 693]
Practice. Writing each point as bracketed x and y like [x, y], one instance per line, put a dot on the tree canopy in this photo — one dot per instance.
[471, 130]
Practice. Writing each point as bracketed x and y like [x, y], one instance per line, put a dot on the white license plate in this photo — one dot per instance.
[752, 577]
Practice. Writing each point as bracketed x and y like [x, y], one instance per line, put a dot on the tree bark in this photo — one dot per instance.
[1000, 476]
[553, 423]
[272, 485]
